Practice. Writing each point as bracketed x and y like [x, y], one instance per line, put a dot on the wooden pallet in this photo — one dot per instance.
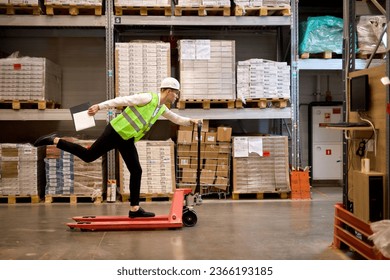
[73, 10]
[368, 55]
[28, 104]
[346, 231]
[202, 11]
[325, 55]
[263, 103]
[205, 103]
[72, 199]
[143, 11]
[21, 9]
[148, 197]
[263, 11]
[12, 199]
[260, 195]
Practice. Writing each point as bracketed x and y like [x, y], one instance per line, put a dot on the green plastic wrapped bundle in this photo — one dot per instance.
[321, 34]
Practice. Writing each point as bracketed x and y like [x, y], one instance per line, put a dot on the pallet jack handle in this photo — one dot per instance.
[197, 189]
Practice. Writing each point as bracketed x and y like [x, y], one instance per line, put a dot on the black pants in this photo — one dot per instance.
[109, 140]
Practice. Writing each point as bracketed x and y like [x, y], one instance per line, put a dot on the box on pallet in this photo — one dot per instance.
[30, 78]
[207, 69]
[260, 164]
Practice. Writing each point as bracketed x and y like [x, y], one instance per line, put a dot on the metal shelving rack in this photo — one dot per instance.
[350, 63]
[109, 21]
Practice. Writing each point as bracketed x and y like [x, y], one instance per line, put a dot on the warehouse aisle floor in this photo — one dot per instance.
[268, 229]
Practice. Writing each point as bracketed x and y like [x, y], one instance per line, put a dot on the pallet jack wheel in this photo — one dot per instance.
[189, 218]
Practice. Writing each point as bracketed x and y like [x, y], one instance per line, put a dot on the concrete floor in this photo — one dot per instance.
[268, 229]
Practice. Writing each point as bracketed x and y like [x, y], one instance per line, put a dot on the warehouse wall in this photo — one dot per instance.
[312, 87]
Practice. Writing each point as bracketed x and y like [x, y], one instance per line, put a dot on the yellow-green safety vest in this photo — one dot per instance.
[135, 121]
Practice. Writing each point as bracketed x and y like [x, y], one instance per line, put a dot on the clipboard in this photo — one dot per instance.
[80, 116]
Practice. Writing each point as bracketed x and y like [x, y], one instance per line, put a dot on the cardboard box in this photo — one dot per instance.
[224, 148]
[207, 176]
[222, 169]
[224, 134]
[189, 175]
[211, 151]
[221, 183]
[202, 137]
[184, 137]
[210, 164]
[183, 150]
[211, 138]
[194, 150]
[184, 162]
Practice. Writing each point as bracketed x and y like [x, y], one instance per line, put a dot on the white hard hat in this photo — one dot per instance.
[170, 83]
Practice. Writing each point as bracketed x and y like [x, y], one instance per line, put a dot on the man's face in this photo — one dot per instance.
[174, 95]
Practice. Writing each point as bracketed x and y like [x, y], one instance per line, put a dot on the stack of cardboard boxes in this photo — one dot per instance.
[215, 153]
[21, 171]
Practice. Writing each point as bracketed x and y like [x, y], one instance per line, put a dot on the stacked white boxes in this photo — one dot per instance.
[59, 174]
[260, 164]
[21, 169]
[158, 168]
[142, 3]
[259, 78]
[74, 2]
[276, 3]
[207, 3]
[207, 69]
[67, 174]
[24, 2]
[30, 78]
[249, 3]
[141, 66]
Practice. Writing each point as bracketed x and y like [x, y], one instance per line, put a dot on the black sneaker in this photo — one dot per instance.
[140, 213]
[45, 140]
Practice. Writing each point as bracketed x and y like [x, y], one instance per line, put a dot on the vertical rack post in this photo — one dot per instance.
[387, 183]
[110, 93]
[349, 55]
[295, 149]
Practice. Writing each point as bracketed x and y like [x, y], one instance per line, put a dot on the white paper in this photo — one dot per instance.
[240, 147]
[203, 49]
[256, 146]
[187, 49]
[83, 121]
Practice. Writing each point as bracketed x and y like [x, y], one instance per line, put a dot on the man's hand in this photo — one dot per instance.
[196, 121]
[93, 110]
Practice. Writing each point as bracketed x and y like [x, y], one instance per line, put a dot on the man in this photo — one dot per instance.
[123, 131]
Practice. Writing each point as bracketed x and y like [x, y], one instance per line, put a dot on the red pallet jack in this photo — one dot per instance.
[181, 212]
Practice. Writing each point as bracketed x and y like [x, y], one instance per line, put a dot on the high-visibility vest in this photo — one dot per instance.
[135, 121]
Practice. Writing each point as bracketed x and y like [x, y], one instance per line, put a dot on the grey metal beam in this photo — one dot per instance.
[334, 64]
[212, 114]
[203, 21]
[52, 21]
[42, 115]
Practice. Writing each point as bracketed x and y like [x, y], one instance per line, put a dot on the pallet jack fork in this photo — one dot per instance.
[181, 212]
